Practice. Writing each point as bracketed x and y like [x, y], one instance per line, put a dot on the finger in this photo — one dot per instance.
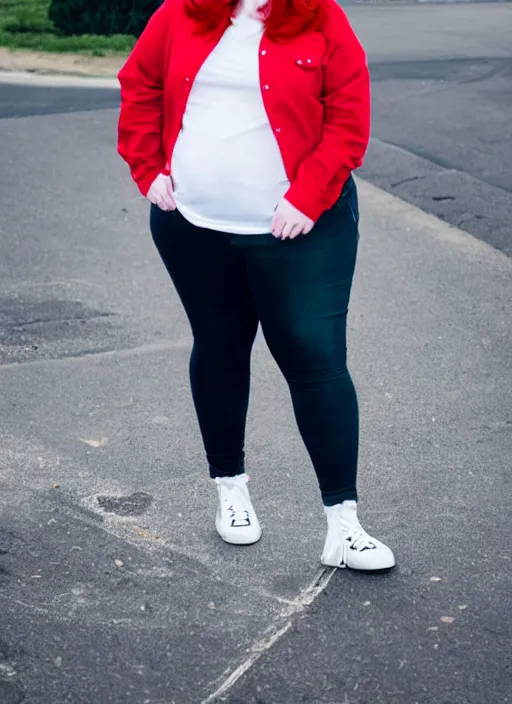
[169, 201]
[307, 228]
[296, 231]
[170, 192]
[155, 194]
[170, 195]
[278, 224]
[162, 204]
[287, 229]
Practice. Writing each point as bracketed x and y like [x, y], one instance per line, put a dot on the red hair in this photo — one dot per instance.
[284, 19]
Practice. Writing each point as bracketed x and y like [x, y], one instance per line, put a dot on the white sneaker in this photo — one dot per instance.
[236, 520]
[349, 545]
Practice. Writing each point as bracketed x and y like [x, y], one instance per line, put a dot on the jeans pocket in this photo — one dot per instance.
[348, 200]
[353, 209]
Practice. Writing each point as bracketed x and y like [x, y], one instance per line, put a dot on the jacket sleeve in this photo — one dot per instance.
[141, 118]
[346, 127]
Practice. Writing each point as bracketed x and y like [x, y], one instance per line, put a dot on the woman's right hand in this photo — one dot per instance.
[160, 193]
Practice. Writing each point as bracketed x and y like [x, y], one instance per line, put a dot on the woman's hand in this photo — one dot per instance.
[288, 222]
[160, 193]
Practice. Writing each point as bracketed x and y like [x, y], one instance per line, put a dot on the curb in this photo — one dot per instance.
[27, 78]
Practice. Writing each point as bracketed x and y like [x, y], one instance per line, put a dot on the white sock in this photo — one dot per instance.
[346, 510]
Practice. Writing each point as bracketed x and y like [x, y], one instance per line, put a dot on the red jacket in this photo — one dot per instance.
[315, 90]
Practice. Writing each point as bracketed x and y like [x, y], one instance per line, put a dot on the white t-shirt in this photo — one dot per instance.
[226, 166]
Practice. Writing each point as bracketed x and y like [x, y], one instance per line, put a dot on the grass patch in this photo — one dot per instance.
[24, 24]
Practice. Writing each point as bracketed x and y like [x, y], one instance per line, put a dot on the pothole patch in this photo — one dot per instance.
[53, 327]
[134, 505]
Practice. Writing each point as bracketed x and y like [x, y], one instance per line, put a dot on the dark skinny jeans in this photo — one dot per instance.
[299, 291]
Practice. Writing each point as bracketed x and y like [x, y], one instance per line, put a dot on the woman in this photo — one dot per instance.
[242, 122]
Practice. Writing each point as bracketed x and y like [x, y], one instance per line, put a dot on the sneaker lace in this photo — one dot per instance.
[359, 539]
[238, 512]
[239, 516]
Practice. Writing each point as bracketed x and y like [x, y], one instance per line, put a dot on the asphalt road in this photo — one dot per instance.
[114, 586]
[33, 100]
[442, 111]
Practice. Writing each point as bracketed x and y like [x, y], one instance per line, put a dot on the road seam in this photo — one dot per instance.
[57, 80]
[148, 348]
[282, 624]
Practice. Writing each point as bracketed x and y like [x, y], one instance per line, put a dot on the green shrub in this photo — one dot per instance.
[104, 17]
[26, 19]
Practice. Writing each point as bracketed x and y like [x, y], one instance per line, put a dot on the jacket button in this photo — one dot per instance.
[299, 61]
[263, 53]
[278, 129]
[266, 87]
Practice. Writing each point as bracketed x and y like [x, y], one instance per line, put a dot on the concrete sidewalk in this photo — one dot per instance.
[115, 586]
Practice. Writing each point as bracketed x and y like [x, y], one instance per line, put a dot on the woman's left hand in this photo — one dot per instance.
[288, 222]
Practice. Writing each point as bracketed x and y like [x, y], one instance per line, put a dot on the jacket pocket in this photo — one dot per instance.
[307, 62]
[308, 51]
